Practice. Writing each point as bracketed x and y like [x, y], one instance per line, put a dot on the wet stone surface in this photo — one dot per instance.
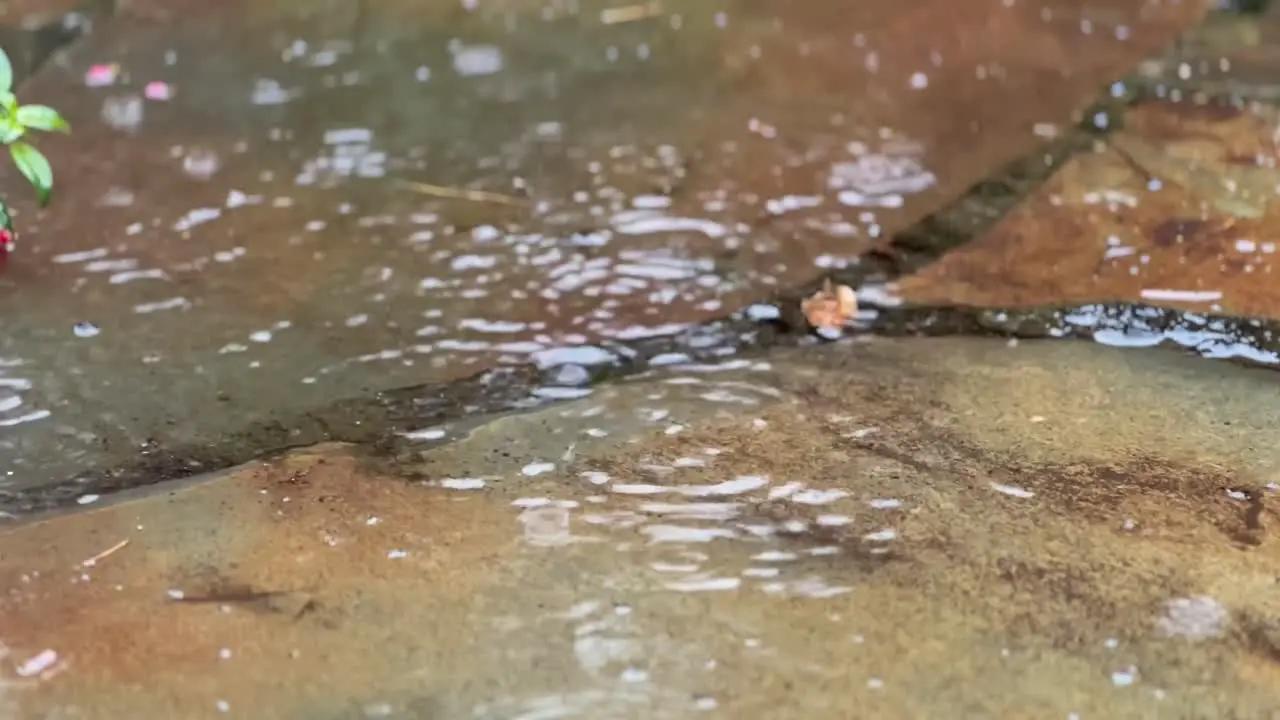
[1175, 210]
[903, 528]
[299, 222]
[1175, 207]
[233, 227]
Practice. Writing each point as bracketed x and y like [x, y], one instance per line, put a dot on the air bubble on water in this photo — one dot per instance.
[1125, 677]
[634, 675]
[200, 163]
[269, 92]
[122, 112]
[85, 329]
[477, 60]
[569, 375]
[537, 468]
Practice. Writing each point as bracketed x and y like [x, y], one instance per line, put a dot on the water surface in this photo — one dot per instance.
[233, 241]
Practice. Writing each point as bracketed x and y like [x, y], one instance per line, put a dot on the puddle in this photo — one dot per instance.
[1247, 340]
[242, 231]
[676, 546]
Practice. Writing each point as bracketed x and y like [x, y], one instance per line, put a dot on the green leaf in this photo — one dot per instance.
[10, 130]
[35, 167]
[6, 72]
[41, 117]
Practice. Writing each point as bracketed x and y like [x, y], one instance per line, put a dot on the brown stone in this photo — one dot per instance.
[903, 528]
[245, 585]
[1204, 236]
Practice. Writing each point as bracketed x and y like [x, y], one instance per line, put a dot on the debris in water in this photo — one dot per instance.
[630, 13]
[831, 307]
[460, 193]
[158, 90]
[102, 75]
[1012, 490]
[37, 665]
[94, 560]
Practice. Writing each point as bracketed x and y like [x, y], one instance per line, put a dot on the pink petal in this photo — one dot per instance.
[158, 91]
[101, 75]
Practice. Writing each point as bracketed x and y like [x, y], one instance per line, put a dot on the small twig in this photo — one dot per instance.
[460, 193]
[94, 560]
[630, 13]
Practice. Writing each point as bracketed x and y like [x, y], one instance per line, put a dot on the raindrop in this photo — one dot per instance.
[546, 526]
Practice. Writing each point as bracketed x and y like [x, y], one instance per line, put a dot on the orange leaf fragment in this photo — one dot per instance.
[831, 307]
